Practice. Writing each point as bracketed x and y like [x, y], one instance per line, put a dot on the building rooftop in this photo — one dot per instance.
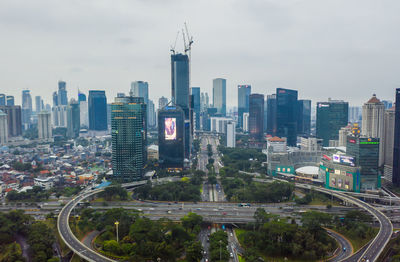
[310, 170]
[373, 100]
[276, 139]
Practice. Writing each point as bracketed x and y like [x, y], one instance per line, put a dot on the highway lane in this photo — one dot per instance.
[345, 248]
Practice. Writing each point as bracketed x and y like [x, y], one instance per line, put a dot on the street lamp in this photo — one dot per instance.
[220, 250]
[116, 225]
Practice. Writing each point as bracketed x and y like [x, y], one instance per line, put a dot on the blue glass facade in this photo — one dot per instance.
[196, 105]
[286, 115]
[256, 116]
[244, 92]
[97, 110]
[62, 93]
[396, 150]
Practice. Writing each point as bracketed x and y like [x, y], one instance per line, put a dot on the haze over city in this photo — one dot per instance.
[337, 49]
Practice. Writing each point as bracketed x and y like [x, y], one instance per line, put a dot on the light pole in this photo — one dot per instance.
[220, 250]
[116, 225]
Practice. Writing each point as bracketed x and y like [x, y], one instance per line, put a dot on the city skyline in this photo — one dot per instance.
[281, 50]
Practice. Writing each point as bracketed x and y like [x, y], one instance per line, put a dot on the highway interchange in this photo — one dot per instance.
[226, 213]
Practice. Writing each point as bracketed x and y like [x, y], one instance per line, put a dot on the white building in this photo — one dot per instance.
[44, 182]
[373, 121]
[387, 141]
[230, 134]
[44, 125]
[276, 145]
[310, 144]
[343, 133]
[245, 122]
[218, 124]
[84, 116]
[59, 116]
[3, 128]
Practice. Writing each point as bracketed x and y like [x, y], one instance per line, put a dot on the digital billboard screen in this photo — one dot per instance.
[170, 128]
[347, 160]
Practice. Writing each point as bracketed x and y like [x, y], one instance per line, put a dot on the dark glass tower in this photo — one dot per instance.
[331, 116]
[97, 110]
[256, 116]
[180, 82]
[396, 150]
[129, 138]
[304, 117]
[73, 119]
[196, 105]
[219, 95]
[10, 101]
[2, 99]
[171, 137]
[366, 155]
[286, 115]
[271, 115]
[81, 97]
[62, 93]
[244, 92]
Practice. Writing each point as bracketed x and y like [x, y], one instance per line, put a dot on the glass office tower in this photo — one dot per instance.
[171, 137]
[129, 138]
[256, 116]
[97, 110]
[304, 118]
[271, 115]
[196, 105]
[286, 115]
[219, 95]
[331, 116]
[244, 92]
[62, 93]
[396, 150]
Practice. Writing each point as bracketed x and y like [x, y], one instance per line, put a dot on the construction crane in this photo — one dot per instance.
[173, 47]
[189, 38]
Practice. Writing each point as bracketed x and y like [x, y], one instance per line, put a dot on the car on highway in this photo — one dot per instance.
[231, 254]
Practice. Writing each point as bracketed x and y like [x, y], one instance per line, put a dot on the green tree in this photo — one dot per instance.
[194, 251]
[192, 222]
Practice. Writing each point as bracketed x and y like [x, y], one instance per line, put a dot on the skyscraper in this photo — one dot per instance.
[219, 95]
[62, 93]
[151, 114]
[44, 125]
[38, 103]
[140, 89]
[73, 119]
[396, 149]
[245, 122]
[162, 101]
[366, 155]
[196, 105]
[388, 104]
[171, 137]
[244, 92]
[286, 115]
[129, 138]
[331, 116]
[97, 110]
[388, 143]
[81, 96]
[304, 117]
[10, 101]
[256, 116]
[180, 82]
[373, 121]
[3, 128]
[83, 109]
[14, 120]
[55, 99]
[26, 108]
[271, 117]
[2, 99]
[231, 134]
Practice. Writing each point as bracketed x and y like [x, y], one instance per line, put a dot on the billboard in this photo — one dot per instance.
[344, 160]
[170, 128]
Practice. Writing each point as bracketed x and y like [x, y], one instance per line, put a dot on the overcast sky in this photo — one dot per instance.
[341, 49]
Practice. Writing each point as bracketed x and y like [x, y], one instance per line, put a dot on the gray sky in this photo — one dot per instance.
[342, 49]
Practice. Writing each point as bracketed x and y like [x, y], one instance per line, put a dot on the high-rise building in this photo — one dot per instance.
[396, 148]
[140, 89]
[304, 118]
[171, 137]
[343, 133]
[129, 138]
[271, 115]
[44, 125]
[97, 110]
[10, 101]
[83, 110]
[151, 113]
[219, 95]
[196, 106]
[366, 155]
[286, 115]
[244, 92]
[230, 134]
[355, 113]
[81, 96]
[2, 99]
[73, 119]
[162, 102]
[388, 104]
[331, 116]
[373, 121]
[256, 116]
[388, 143]
[26, 108]
[62, 93]
[14, 120]
[3, 128]
[39, 104]
[55, 99]
[245, 122]
[180, 82]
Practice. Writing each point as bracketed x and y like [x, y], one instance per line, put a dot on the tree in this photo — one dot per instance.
[212, 180]
[112, 246]
[191, 222]
[194, 251]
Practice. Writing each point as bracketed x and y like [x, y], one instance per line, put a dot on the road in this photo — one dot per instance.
[345, 248]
